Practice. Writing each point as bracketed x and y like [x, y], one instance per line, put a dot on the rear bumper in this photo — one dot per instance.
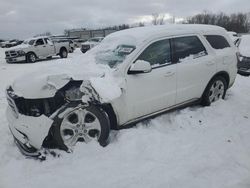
[15, 59]
[29, 132]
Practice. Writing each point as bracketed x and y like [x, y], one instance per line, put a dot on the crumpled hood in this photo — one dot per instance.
[39, 86]
[46, 82]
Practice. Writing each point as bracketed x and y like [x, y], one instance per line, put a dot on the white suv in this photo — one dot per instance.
[132, 75]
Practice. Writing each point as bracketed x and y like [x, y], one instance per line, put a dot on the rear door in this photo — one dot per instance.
[195, 67]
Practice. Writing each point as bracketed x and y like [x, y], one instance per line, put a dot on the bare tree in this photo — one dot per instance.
[239, 22]
[158, 19]
[47, 33]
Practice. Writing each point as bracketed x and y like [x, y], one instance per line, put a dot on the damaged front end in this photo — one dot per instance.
[31, 120]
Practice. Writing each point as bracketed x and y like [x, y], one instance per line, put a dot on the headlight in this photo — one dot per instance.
[20, 52]
[73, 94]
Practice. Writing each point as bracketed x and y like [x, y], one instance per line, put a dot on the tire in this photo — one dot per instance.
[215, 90]
[68, 130]
[63, 53]
[31, 57]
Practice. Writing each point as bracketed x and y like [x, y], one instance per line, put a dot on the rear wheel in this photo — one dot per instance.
[31, 57]
[63, 53]
[215, 90]
[82, 125]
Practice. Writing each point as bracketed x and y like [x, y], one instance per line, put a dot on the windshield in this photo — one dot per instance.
[30, 42]
[114, 57]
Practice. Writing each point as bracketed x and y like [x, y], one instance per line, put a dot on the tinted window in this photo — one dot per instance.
[157, 53]
[188, 47]
[39, 42]
[217, 41]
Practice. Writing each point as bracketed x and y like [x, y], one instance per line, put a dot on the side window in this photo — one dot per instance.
[188, 47]
[217, 41]
[39, 42]
[157, 53]
[48, 41]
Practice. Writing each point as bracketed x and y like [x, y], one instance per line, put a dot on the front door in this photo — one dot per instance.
[147, 93]
[40, 48]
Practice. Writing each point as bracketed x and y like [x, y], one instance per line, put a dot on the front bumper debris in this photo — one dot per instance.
[29, 132]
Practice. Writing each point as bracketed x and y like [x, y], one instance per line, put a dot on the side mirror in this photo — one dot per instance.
[140, 66]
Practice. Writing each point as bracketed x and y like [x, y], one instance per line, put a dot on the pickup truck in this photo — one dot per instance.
[36, 48]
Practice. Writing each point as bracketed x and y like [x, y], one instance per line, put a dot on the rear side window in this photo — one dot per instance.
[217, 41]
[190, 47]
[157, 54]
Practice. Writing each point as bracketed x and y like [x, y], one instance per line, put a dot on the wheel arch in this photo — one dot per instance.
[29, 52]
[223, 74]
[107, 107]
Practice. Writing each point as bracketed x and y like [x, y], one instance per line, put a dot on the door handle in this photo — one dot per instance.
[170, 73]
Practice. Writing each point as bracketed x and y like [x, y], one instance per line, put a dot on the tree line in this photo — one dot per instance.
[237, 22]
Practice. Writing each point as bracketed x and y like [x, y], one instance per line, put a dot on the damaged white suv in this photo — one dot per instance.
[132, 75]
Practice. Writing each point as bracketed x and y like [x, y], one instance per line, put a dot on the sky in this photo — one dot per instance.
[26, 18]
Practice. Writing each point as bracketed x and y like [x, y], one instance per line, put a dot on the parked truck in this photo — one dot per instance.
[34, 49]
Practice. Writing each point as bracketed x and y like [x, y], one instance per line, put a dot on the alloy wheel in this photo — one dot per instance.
[79, 125]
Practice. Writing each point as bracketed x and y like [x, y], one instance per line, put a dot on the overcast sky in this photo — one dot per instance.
[25, 18]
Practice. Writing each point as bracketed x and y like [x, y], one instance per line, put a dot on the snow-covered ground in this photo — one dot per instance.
[194, 147]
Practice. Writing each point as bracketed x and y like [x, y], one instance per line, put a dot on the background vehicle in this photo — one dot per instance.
[36, 48]
[244, 61]
[91, 43]
[149, 70]
[11, 43]
[78, 42]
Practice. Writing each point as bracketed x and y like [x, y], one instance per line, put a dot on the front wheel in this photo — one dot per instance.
[82, 125]
[30, 57]
[215, 90]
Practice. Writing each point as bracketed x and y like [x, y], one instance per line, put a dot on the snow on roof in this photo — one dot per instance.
[140, 34]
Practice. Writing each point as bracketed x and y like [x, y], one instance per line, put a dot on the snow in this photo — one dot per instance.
[195, 147]
[104, 86]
